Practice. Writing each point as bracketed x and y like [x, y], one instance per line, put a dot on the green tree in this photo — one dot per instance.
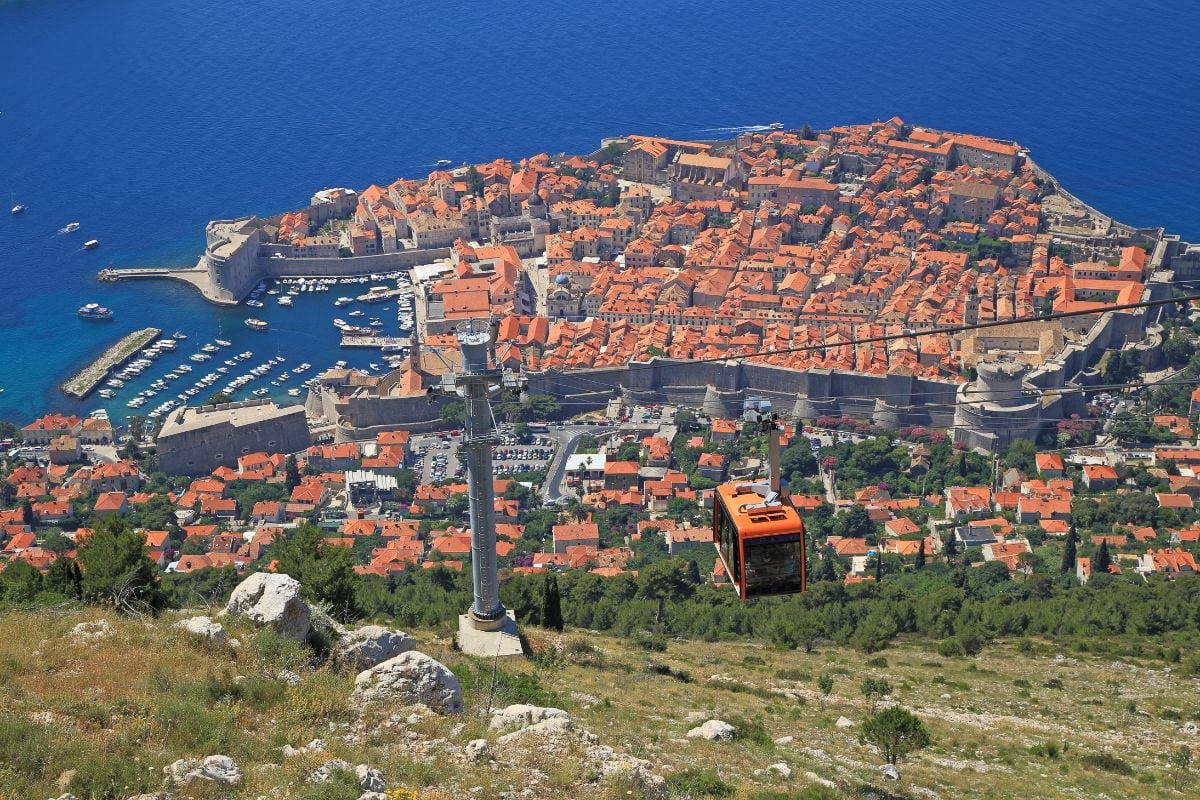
[1069, 551]
[1022, 455]
[326, 572]
[27, 512]
[217, 398]
[950, 544]
[1181, 766]
[664, 581]
[1103, 560]
[137, 426]
[20, 582]
[65, 578]
[117, 571]
[874, 690]
[855, 522]
[291, 473]
[896, 732]
[685, 421]
[453, 413]
[825, 685]
[551, 604]
[920, 564]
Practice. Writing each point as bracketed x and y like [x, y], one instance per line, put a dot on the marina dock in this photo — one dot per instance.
[375, 341]
[86, 381]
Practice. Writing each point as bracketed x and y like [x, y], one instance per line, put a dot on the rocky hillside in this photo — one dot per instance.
[267, 698]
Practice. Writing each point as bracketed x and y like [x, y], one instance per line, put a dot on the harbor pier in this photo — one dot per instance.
[86, 381]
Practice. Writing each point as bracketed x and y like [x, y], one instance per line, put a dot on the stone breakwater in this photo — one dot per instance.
[86, 381]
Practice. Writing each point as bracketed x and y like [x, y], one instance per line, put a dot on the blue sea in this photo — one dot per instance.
[143, 119]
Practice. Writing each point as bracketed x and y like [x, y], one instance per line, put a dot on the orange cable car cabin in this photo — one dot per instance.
[760, 542]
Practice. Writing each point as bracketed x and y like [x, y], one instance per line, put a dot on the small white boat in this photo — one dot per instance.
[285, 301]
[107, 394]
[91, 244]
[70, 227]
[256, 325]
[293, 392]
[444, 162]
[17, 208]
[179, 335]
[222, 342]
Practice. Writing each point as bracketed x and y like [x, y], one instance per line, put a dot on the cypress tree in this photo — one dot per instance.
[27, 512]
[1103, 560]
[828, 573]
[921, 555]
[551, 604]
[292, 473]
[951, 546]
[878, 567]
[1068, 562]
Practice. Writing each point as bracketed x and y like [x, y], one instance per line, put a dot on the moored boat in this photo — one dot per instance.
[91, 244]
[256, 325]
[95, 311]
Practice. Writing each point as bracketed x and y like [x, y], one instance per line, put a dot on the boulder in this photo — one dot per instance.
[272, 600]
[477, 750]
[369, 778]
[890, 772]
[286, 676]
[323, 773]
[370, 646]
[521, 715]
[373, 796]
[551, 728]
[842, 722]
[218, 769]
[785, 740]
[410, 678]
[1189, 728]
[203, 628]
[781, 769]
[637, 779]
[90, 631]
[714, 731]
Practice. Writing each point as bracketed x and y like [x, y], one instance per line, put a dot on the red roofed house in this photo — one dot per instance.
[51, 426]
[723, 430]
[111, 503]
[1177, 501]
[621, 475]
[267, 511]
[569, 535]
[1050, 465]
[901, 526]
[1175, 561]
[711, 466]
[1099, 477]
[964, 502]
[119, 476]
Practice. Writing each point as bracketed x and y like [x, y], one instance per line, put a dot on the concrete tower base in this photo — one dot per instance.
[501, 640]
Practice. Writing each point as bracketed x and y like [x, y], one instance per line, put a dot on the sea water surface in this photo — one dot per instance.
[143, 119]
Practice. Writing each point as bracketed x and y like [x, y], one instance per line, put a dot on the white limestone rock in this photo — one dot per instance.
[520, 715]
[1189, 728]
[369, 778]
[272, 600]
[477, 750]
[203, 628]
[370, 646]
[218, 769]
[410, 678]
[323, 773]
[714, 730]
[842, 722]
[782, 770]
[552, 729]
[91, 631]
[288, 677]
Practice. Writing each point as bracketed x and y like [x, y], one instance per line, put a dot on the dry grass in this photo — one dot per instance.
[118, 709]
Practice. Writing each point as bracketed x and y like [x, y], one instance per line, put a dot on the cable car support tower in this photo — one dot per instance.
[487, 629]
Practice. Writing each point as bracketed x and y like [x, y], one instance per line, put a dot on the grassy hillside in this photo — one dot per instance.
[102, 718]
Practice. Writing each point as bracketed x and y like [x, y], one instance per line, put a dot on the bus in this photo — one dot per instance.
[760, 540]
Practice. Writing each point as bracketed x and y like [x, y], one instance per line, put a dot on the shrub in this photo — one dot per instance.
[1047, 749]
[751, 730]
[793, 674]
[1054, 683]
[698, 783]
[753, 661]
[654, 642]
[1022, 683]
[1106, 762]
[681, 675]
[274, 652]
[321, 698]
[105, 776]
[187, 725]
[342, 785]
[877, 661]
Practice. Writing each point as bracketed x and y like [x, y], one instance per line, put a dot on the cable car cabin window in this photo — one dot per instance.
[773, 564]
[727, 541]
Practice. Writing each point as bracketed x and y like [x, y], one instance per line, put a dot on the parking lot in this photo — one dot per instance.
[436, 457]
